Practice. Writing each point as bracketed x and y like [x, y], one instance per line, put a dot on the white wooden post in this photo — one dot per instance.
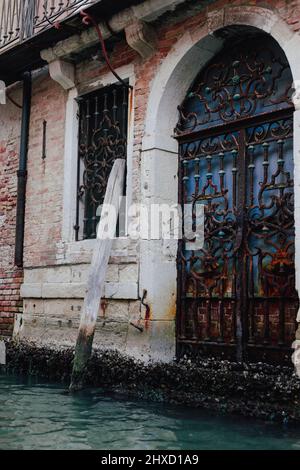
[97, 275]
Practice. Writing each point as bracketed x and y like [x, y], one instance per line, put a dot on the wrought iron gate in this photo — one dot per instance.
[237, 294]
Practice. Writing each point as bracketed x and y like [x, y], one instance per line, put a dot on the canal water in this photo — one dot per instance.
[37, 415]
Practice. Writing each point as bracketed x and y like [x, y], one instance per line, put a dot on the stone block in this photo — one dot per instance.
[34, 276]
[64, 291]
[80, 273]
[215, 20]
[31, 291]
[128, 273]
[123, 290]
[261, 18]
[2, 353]
[115, 310]
[61, 274]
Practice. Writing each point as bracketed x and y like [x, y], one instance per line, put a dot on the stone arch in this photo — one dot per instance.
[158, 272]
[177, 71]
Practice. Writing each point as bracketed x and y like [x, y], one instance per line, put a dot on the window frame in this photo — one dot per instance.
[91, 103]
[71, 155]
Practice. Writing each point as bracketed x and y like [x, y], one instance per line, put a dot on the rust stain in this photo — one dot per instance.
[171, 311]
[145, 320]
[104, 305]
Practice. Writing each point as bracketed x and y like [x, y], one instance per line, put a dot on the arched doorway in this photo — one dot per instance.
[237, 296]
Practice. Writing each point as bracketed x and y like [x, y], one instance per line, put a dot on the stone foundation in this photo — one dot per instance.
[254, 390]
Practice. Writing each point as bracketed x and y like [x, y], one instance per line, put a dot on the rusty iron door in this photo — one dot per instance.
[236, 295]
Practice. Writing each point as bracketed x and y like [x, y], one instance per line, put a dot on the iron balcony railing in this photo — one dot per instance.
[23, 19]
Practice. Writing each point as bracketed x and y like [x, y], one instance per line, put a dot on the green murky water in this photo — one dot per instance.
[35, 415]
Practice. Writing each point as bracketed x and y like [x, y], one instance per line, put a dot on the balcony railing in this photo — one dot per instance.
[23, 19]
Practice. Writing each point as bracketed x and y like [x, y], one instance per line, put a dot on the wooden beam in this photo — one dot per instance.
[97, 275]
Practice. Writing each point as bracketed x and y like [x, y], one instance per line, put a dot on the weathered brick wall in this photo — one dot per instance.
[10, 277]
[44, 193]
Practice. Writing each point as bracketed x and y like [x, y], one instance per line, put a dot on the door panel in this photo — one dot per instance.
[269, 247]
[210, 177]
[238, 291]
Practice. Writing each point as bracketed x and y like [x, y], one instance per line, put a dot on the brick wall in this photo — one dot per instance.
[44, 193]
[10, 277]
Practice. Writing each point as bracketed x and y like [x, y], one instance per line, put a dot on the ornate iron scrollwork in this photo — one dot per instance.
[102, 139]
[241, 82]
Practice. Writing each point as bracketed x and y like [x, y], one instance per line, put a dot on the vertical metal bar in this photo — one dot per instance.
[221, 171]
[44, 140]
[251, 168]
[124, 112]
[208, 317]
[197, 175]
[209, 209]
[87, 193]
[234, 179]
[251, 306]
[96, 114]
[80, 133]
[93, 219]
[280, 163]
[225, 261]
[281, 341]
[242, 275]
[196, 163]
[266, 165]
[114, 107]
[194, 318]
[221, 308]
[180, 265]
[93, 203]
[234, 170]
[266, 304]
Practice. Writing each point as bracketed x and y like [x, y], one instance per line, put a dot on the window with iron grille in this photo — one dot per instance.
[103, 122]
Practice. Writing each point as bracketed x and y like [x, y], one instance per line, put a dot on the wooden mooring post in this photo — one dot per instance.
[96, 281]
